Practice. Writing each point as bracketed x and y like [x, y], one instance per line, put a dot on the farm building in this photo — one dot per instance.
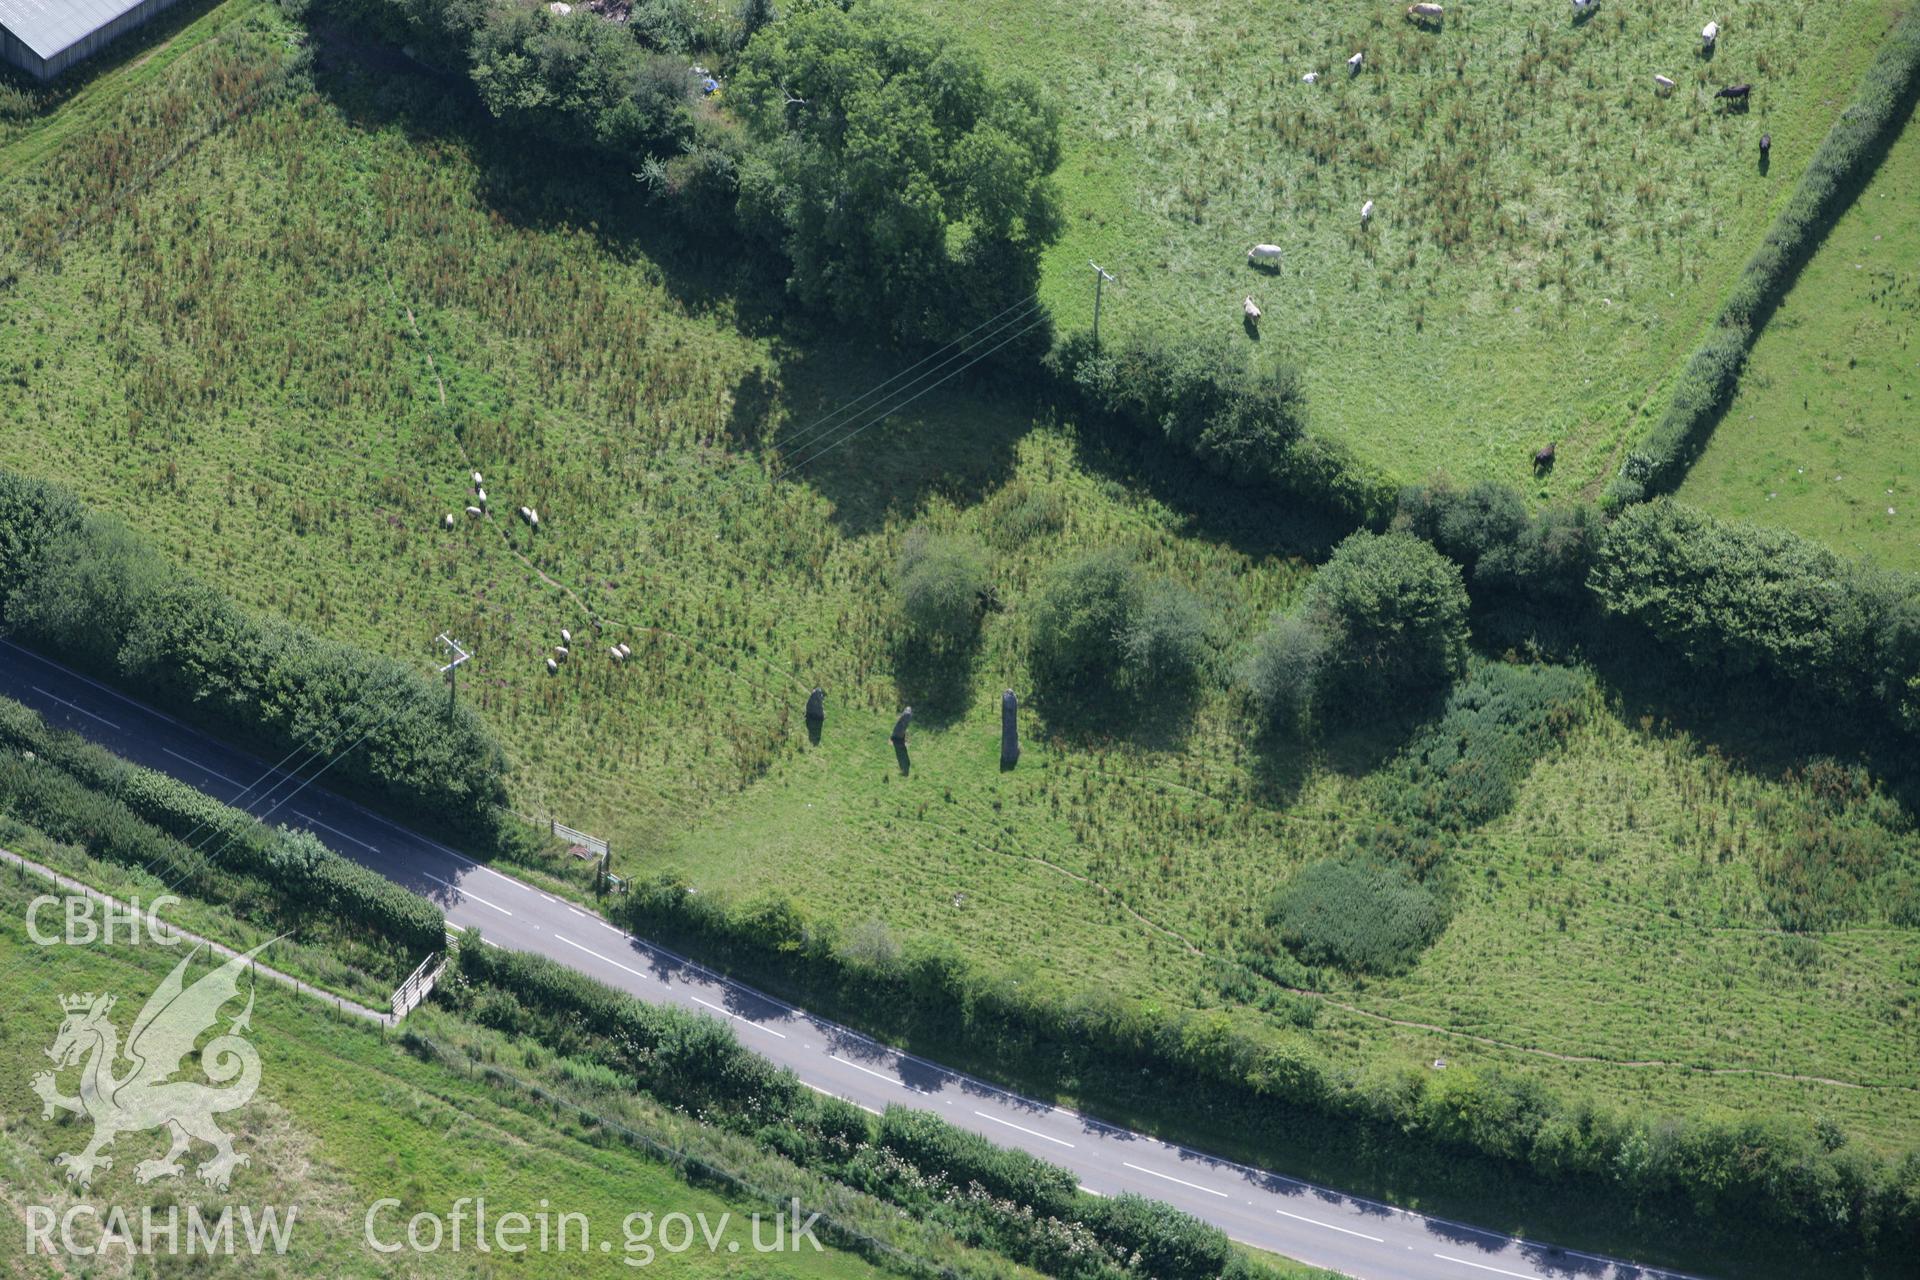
[45, 37]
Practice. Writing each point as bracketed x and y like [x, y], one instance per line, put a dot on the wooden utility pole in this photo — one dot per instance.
[451, 670]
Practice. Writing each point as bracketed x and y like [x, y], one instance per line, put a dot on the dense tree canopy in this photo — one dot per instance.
[1394, 612]
[900, 180]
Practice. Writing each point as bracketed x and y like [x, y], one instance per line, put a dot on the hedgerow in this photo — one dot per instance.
[1841, 164]
[85, 590]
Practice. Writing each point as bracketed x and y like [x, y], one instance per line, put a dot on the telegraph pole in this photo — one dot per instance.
[1100, 278]
[451, 670]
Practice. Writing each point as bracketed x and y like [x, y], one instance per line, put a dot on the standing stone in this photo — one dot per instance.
[900, 727]
[816, 705]
[1009, 730]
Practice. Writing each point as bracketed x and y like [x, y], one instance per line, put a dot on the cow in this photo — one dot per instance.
[1264, 253]
[1312, 77]
[1251, 309]
[1543, 459]
[1766, 143]
[1708, 34]
[1425, 13]
[1353, 63]
[1735, 93]
[1663, 83]
[1366, 212]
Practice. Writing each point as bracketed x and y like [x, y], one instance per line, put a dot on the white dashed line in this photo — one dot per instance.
[1170, 1178]
[737, 1018]
[212, 773]
[467, 894]
[1031, 1133]
[877, 1075]
[1481, 1266]
[1329, 1226]
[77, 707]
[597, 956]
[310, 820]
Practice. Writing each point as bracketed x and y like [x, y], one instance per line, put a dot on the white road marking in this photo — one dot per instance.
[1170, 1178]
[737, 1018]
[215, 773]
[77, 707]
[548, 897]
[1481, 1266]
[1329, 1226]
[877, 1075]
[313, 821]
[1032, 1133]
[831, 1094]
[597, 956]
[467, 894]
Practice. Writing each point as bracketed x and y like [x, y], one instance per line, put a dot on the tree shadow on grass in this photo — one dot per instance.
[937, 682]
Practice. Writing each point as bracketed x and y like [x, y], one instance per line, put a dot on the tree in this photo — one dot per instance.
[904, 186]
[940, 584]
[1086, 607]
[1280, 673]
[1394, 612]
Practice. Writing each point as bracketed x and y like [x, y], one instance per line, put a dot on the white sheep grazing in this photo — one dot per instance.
[1264, 253]
[1312, 77]
[1251, 308]
[552, 666]
[1708, 34]
[1663, 83]
[1353, 63]
[446, 521]
[1366, 212]
[566, 636]
[473, 513]
[1419, 11]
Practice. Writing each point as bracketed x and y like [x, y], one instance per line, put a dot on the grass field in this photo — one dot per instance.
[343, 1117]
[1823, 438]
[1549, 236]
[248, 361]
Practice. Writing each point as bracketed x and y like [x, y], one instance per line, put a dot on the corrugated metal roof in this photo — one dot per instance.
[48, 26]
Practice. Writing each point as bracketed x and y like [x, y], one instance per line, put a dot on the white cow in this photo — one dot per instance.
[1264, 253]
[1353, 63]
[1312, 77]
[1708, 34]
[1250, 308]
[473, 513]
[1419, 11]
[1581, 6]
[1366, 212]
[1663, 83]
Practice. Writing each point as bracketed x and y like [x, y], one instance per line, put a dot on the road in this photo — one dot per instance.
[1349, 1234]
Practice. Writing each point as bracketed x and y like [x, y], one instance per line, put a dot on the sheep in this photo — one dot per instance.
[1663, 83]
[446, 521]
[1251, 308]
[552, 666]
[1353, 63]
[566, 636]
[1708, 34]
[1312, 77]
[1420, 12]
[473, 513]
[1264, 253]
[1366, 212]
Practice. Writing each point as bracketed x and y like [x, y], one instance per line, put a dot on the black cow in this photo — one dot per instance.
[1737, 92]
[1543, 458]
[1766, 143]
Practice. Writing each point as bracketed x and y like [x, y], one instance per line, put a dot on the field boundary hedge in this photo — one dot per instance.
[1846, 158]
[82, 793]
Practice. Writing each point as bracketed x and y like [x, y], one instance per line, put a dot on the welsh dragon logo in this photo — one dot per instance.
[146, 1096]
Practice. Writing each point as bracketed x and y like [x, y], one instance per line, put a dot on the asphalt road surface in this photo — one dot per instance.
[1359, 1237]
